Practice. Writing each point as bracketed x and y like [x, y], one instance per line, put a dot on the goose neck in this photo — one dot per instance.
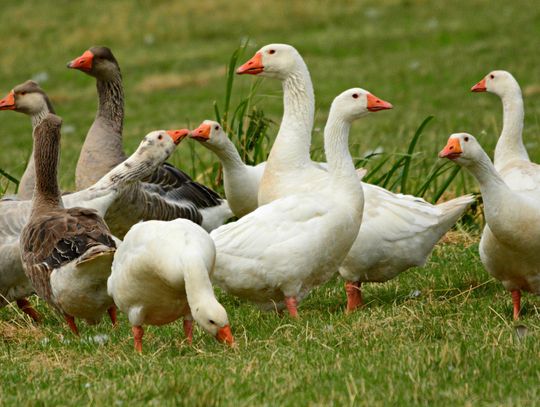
[510, 145]
[228, 155]
[198, 287]
[46, 154]
[292, 144]
[336, 147]
[111, 102]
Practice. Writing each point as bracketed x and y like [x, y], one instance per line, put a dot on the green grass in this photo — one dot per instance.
[454, 344]
[441, 335]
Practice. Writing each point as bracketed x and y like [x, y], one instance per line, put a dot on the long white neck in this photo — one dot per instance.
[510, 145]
[501, 204]
[292, 144]
[28, 179]
[240, 185]
[199, 289]
[228, 155]
[340, 164]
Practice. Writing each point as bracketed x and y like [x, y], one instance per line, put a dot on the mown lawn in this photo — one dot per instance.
[441, 335]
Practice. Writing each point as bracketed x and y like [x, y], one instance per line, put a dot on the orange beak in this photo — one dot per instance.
[452, 150]
[480, 86]
[178, 135]
[201, 133]
[374, 104]
[224, 335]
[83, 63]
[8, 103]
[252, 67]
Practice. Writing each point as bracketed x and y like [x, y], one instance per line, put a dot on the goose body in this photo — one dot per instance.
[169, 193]
[276, 254]
[162, 273]
[14, 285]
[509, 248]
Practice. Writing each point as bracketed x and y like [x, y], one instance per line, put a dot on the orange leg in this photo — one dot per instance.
[354, 295]
[138, 333]
[516, 300]
[112, 314]
[188, 329]
[292, 304]
[71, 322]
[25, 306]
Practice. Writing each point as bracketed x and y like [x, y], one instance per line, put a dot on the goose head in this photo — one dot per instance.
[212, 317]
[98, 62]
[357, 102]
[273, 61]
[497, 82]
[211, 133]
[27, 98]
[462, 148]
[159, 144]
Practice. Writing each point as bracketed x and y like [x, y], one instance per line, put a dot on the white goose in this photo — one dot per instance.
[511, 159]
[161, 272]
[510, 244]
[14, 285]
[279, 252]
[382, 250]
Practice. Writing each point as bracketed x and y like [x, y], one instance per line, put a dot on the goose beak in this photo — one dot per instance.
[83, 63]
[452, 150]
[178, 135]
[374, 104]
[8, 103]
[252, 67]
[201, 133]
[480, 86]
[224, 335]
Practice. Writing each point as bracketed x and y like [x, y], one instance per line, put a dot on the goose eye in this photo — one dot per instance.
[355, 95]
[492, 76]
[212, 322]
[217, 127]
[160, 137]
[272, 51]
[466, 139]
[22, 93]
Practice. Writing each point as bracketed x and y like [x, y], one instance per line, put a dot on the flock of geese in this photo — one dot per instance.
[299, 222]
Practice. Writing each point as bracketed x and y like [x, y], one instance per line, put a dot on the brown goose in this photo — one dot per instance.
[169, 193]
[30, 99]
[66, 253]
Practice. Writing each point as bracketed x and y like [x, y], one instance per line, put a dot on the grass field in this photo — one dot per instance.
[441, 335]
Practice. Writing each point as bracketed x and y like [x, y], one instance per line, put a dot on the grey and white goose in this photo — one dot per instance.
[169, 193]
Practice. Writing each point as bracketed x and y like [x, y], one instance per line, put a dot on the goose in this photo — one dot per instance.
[169, 193]
[511, 159]
[276, 254]
[161, 272]
[240, 181]
[510, 243]
[381, 251]
[14, 285]
[66, 253]
[30, 99]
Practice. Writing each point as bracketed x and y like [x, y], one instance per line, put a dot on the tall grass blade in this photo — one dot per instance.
[410, 150]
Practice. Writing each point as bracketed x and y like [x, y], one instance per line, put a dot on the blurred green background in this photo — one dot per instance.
[423, 56]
